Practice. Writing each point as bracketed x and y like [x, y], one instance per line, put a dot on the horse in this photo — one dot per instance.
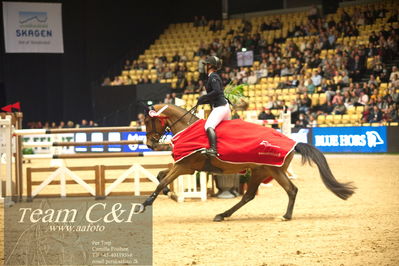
[162, 118]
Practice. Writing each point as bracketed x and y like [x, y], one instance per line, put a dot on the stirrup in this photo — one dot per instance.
[211, 152]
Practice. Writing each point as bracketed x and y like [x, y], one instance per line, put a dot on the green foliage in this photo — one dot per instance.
[234, 93]
[27, 151]
[245, 177]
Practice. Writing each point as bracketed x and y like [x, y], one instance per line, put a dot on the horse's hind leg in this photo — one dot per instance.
[280, 176]
[253, 185]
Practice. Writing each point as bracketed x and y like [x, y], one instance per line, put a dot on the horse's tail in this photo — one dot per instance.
[309, 154]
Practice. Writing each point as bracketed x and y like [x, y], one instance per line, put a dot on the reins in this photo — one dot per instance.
[189, 111]
[168, 128]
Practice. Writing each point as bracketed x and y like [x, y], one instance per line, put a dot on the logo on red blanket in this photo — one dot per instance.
[267, 144]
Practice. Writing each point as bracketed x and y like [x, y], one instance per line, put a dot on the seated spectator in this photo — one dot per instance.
[311, 88]
[373, 81]
[375, 115]
[127, 65]
[196, 22]
[62, 124]
[337, 97]
[106, 82]
[302, 121]
[350, 98]
[373, 39]
[394, 82]
[363, 99]
[326, 108]
[176, 58]
[356, 68]
[173, 96]
[285, 71]
[168, 73]
[393, 73]
[391, 114]
[283, 106]
[200, 87]
[315, 62]
[252, 79]
[92, 124]
[140, 120]
[180, 85]
[203, 21]
[190, 88]
[305, 104]
[273, 103]
[163, 58]
[70, 124]
[339, 108]
[301, 86]
[117, 81]
[316, 78]
[264, 26]
[374, 96]
[135, 64]
[266, 114]
[83, 124]
[312, 121]
[168, 99]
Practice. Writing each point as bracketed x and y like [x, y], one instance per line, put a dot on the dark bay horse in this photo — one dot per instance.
[176, 119]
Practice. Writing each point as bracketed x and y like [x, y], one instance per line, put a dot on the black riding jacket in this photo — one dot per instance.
[214, 88]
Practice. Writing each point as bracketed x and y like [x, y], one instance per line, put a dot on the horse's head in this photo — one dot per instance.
[155, 124]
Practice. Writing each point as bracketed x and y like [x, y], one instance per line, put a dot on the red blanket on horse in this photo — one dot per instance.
[237, 141]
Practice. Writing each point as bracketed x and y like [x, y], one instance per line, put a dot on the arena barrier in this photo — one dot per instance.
[99, 186]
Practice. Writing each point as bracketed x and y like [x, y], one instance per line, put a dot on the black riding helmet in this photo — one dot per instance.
[214, 61]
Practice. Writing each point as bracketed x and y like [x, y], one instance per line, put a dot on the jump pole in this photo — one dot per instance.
[23, 132]
[95, 155]
[82, 143]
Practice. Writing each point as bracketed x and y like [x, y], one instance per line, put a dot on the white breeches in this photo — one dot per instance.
[217, 115]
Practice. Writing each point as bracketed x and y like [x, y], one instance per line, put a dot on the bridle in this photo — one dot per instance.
[156, 136]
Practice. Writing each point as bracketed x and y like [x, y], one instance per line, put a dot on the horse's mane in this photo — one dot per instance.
[179, 111]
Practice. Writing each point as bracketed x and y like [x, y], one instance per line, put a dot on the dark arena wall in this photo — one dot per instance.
[98, 36]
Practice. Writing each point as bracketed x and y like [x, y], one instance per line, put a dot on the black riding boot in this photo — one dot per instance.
[212, 151]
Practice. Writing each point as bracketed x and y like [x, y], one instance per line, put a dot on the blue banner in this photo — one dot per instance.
[134, 147]
[139, 136]
[350, 139]
[115, 136]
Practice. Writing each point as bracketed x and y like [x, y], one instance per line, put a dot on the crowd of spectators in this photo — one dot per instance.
[339, 75]
[61, 124]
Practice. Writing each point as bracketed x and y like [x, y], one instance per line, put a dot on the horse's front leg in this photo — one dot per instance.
[171, 175]
[161, 175]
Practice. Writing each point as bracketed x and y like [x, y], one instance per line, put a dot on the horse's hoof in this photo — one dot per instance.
[139, 208]
[284, 218]
[218, 218]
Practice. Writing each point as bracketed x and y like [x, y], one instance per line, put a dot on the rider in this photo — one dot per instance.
[214, 97]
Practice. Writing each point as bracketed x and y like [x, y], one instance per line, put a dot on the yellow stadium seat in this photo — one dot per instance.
[321, 119]
[359, 109]
[337, 119]
[351, 110]
[345, 119]
[329, 119]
